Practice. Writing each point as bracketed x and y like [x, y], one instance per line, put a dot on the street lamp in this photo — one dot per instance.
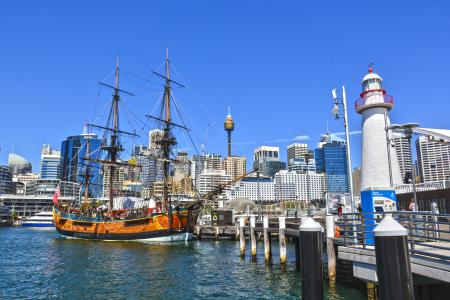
[407, 130]
[307, 157]
[343, 101]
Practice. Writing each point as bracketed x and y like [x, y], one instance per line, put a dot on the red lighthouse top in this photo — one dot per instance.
[370, 68]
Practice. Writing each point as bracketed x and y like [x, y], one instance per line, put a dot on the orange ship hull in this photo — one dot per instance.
[151, 228]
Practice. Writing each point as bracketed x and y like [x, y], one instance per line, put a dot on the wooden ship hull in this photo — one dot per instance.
[153, 228]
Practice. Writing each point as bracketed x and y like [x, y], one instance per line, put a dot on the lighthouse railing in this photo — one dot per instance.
[362, 102]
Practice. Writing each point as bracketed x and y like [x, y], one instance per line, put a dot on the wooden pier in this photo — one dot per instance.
[345, 242]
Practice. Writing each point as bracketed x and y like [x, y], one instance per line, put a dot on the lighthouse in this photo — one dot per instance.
[377, 176]
[374, 106]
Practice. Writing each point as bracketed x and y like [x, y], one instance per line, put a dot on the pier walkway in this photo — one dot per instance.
[428, 239]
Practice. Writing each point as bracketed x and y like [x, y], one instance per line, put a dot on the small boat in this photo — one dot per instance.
[42, 219]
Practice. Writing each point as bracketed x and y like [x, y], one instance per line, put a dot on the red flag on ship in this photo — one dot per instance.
[56, 196]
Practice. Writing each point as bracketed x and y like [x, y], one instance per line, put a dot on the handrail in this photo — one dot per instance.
[424, 231]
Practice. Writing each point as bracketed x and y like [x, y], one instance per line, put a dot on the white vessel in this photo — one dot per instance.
[42, 219]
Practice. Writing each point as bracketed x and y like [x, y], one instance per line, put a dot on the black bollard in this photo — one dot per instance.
[311, 259]
[393, 266]
[297, 251]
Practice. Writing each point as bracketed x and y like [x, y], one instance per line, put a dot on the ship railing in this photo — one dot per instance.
[88, 216]
[428, 233]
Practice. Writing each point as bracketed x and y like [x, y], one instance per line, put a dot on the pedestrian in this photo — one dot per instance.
[412, 205]
[359, 207]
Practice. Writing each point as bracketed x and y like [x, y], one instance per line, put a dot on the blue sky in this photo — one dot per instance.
[273, 62]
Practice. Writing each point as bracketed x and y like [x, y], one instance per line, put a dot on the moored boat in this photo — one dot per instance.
[41, 219]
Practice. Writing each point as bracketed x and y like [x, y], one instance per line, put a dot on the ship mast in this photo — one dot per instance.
[114, 147]
[168, 141]
[87, 174]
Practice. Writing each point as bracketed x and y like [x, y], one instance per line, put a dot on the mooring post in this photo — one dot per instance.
[282, 239]
[217, 232]
[393, 266]
[267, 241]
[331, 254]
[253, 237]
[199, 232]
[297, 251]
[311, 260]
[242, 235]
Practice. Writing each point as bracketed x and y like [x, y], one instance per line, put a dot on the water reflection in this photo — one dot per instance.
[42, 265]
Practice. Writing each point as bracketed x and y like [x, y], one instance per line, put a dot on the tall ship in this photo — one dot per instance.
[155, 220]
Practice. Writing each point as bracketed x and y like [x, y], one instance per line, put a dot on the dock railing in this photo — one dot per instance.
[428, 233]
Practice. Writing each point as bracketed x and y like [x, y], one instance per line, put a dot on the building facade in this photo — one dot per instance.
[266, 160]
[293, 186]
[74, 166]
[18, 164]
[296, 150]
[433, 158]
[50, 163]
[6, 184]
[210, 179]
[403, 151]
[256, 189]
[235, 166]
[331, 159]
[299, 165]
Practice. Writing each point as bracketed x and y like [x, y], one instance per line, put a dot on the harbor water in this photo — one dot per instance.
[39, 264]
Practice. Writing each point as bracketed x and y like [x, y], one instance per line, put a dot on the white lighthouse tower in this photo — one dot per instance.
[374, 106]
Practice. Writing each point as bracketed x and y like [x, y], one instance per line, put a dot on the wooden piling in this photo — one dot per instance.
[282, 239]
[242, 236]
[237, 232]
[253, 237]
[217, 233]
[331, 253]
[267, 241]
[199, 232]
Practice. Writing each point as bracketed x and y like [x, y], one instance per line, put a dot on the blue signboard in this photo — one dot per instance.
[374, 203]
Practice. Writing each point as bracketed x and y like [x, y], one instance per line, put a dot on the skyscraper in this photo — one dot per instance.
[73, 164]
[296, 150]
[182, 166]
[235, 166]
[50, 163]
[401, 145]
[266, 160]
[331, 159]
[205, 161]
[434, 159]
[5, 180]
[18, 164]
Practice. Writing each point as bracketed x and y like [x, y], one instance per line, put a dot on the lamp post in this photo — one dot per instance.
[407, 130]
[307, 158]
[343, 101]
[388, 147]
